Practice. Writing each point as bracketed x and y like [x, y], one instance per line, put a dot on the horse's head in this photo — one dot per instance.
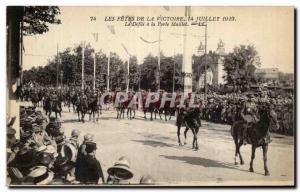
[268, 115]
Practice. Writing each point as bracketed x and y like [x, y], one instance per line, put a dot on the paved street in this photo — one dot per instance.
[153, 149]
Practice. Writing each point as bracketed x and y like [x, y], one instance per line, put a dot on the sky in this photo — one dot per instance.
[269, 29]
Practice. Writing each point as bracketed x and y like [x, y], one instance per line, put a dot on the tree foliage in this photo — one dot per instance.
[37, 18]
[140, 75]
[240, 66]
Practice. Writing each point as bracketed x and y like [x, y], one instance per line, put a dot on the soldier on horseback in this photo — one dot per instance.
[248, 115]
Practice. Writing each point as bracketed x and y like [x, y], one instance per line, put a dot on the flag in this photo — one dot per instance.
[111, 29]
[167, 8]
[95, 36]
[187, 12]
[125, 48]
[150, 42]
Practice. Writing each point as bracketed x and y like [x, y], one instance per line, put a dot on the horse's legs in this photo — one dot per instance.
[185, 132]
[98, 114]
[130, 113]
[159, 111]
[127, 113]
[166, 111]
[171, 111]
[196, 131]
[195, 142]
[151, 115]
[239, 152]
[78, 114]
[178, 135]
[123, 112]
[82, 116]
[93, 116]
[265, 153]
[252, 158]
[236, 143]
[145, 114]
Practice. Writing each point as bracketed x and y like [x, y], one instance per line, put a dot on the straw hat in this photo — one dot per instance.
[121, 169]
[147, 180]
[75, 133]
[40, 175]
[88, 137]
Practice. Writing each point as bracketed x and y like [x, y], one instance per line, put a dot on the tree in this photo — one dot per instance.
[37, 18]
[240, 66]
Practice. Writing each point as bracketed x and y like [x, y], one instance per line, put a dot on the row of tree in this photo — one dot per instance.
[238, 65]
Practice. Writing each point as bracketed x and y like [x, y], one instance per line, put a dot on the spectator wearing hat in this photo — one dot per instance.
[81, 155]
[147, 180]
[74, 138]
[120, 173]
[90, 168]
[39, 175]
[40, 136]
[54, 128]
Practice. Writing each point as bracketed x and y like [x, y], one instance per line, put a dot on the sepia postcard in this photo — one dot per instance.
[130, 96]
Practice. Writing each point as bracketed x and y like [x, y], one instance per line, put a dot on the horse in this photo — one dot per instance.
[167, 109]
[52, 106]
[34, 98]
[258, 136]
[73, 100]
[152, 108]
[55, 106]
[81, 107]
[191, 120]
[130, 107]
[121, 106]
[93, 107]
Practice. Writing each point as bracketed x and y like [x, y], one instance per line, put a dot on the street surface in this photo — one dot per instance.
[153, 149]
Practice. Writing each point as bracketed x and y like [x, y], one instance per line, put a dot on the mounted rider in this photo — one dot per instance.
[249, 115]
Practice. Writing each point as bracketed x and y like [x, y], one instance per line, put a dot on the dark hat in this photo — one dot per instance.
[66, 167]
[45, 158]
[39, 120]
[25, 158]
[60, 161]
[25, 134]
[52, 119]
[90, 147]
[60, 139]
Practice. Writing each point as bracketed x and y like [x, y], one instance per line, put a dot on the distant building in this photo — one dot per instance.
[268, 73]
[215, 65]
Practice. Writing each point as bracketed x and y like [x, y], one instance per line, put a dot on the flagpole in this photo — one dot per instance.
[108, 66]
[174, 72]
[57, 60]
[127, 88]
[205, 66]
[94, 80]
[159, 34]
[82, 68]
